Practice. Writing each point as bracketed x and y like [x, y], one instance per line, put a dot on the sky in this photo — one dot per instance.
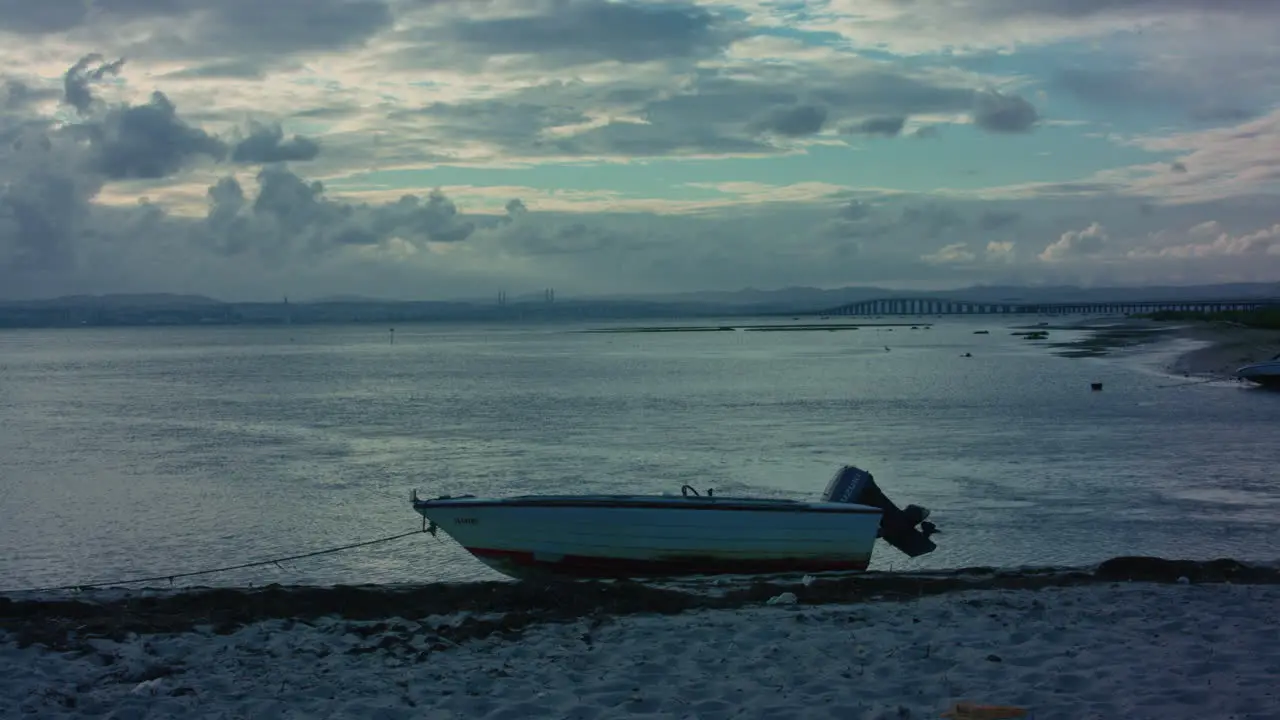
[439, 149]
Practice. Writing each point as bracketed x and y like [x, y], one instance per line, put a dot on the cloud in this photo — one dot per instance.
[1004, 251]
[793, 121]
[78, 77]
[560, 33]
[931, 220]
[1197, 95]
[51, 174]
[854, 210]
[1076, 243]
[1067, 9]
[202, 28]
[725, 108]
[998, 113]
[1217, 163]
[132, 141]
[1210, 240]
[266, 144]
[17, 96]
[912, 27]
[147, 141]
[996, 219]
[886, 126]
[291, 216]
[682, 144]
[953, 253]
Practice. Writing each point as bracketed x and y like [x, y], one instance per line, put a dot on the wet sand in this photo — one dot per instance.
[1225, 347]
[1231, 347]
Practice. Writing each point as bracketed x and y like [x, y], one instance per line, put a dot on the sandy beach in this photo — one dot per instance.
[1058, 644]
[1228, 349]
[1223, 348]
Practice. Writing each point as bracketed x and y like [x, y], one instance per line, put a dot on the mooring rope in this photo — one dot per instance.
[258, 563]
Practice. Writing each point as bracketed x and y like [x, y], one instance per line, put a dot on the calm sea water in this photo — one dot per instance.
[151, 451]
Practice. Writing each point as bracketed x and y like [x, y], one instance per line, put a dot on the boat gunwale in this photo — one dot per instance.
[633, 502]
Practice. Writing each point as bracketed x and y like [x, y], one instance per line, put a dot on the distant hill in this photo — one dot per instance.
[141, 300]
[178, 308]
[346, 299]
[809, 298]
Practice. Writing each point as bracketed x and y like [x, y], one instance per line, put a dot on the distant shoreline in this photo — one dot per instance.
[1230, 348]
[1226, 348]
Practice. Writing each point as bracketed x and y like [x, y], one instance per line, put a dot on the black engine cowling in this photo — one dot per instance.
[907, 528]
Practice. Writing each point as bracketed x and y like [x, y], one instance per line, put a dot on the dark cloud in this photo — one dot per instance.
[795, 121]
[241, 69]
[248, 34]
[716, 112]
[569, 32]
[16, 95]
[999, 113]
[1084, 8]
[38, 18]
[44, 205]
[50, 174]
[886, 93]
[33, 17]
[80, 76]
[517, 124]
[150, 141]
[641, 140]
[854, 220]
[147, 141]
[996, 219]
[1146, 90]
[280, 27]
[292, 217]
[854, 210]
[931, 220]
[886, 126]
[40, 219]
[266, 144]
[573, 239]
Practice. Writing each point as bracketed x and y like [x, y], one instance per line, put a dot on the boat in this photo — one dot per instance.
[1265, 373]
[690, 534]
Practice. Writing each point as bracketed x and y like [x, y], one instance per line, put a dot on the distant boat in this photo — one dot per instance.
[616, 536]
[1265, 373]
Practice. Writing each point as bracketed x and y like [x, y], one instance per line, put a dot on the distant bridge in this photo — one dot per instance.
[938, 306]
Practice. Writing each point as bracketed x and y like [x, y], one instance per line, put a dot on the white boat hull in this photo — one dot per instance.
[655, 536]
[1263, 373]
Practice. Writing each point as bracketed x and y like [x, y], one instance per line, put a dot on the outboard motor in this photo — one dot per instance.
[898, 527]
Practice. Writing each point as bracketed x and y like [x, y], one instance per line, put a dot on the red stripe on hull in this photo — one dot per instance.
[523, 564]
